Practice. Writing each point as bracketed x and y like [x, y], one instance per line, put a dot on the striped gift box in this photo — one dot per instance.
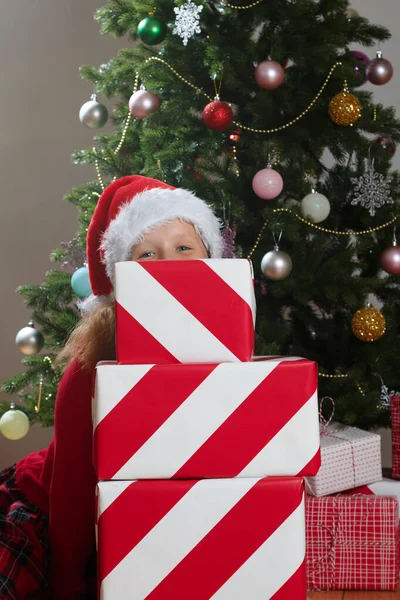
[352, 543]
[206, 421]
[197, 311]
[225, 539]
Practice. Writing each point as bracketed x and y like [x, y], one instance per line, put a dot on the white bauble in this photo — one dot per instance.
[14, 424]
[315, 207]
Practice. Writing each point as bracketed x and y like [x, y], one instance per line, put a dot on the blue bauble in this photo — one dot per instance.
[80, 282]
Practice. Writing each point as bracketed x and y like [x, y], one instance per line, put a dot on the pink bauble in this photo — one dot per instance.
[269, 74]
[142, 103]
[379, 70]
[267, 184]
[390, 260]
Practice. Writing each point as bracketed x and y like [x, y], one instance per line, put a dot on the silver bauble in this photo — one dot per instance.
[14, 424]
[29, 340]
[93, 114]
[276, 264]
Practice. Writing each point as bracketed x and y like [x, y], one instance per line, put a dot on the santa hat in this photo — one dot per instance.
[129, 208]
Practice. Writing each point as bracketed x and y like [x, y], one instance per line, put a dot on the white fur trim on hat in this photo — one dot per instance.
[86, 305]
[152, 208]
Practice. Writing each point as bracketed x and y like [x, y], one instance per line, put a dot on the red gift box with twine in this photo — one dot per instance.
[352, 543]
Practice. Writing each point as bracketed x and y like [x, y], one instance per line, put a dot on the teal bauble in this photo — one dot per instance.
[80, 282]
[152, 31]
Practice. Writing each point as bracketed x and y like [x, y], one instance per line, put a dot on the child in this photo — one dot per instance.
[47, 500]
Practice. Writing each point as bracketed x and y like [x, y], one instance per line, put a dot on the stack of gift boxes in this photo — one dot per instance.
[199, 448]
[352, 513]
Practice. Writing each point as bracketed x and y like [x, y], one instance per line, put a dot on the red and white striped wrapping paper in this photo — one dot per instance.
[352, 543]
[227, 539]
[350, 457]
[197, 311]
[206, 421]
[395, 413]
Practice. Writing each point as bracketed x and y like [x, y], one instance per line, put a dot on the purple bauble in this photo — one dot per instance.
[379, 70]
[269, 74]
[390, 260]
[361, 61]
[142, 103]
[387, 145]
[267, 184]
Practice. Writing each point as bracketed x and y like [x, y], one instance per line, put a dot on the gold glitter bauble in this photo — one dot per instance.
[345, 108]
[368, 324]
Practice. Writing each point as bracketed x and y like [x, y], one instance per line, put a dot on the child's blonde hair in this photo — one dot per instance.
[92, 340]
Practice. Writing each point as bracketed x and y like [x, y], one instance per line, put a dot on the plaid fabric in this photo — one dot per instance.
[352, 543]
[24, 546]
[395, 410]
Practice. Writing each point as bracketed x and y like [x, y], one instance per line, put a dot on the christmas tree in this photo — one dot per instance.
[259, 109]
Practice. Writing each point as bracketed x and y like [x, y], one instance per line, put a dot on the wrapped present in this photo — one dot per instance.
[352, 543]
[197, 311]
[385, 487]
[223, 539]
[395, 412]
[206, 421]
[350, 457]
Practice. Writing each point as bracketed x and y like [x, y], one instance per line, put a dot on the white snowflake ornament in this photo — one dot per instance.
[372, 190]
[187, 20]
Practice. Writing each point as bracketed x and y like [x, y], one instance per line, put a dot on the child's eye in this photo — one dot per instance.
[146, 255]
[183, 248]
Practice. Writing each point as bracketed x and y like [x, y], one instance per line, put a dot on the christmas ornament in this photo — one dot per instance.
[387, 145]
[142, 103]
[380, 70]
[372, 190]
[345, 108]
[315, 207]
[29, 340]
[14, 424]
[228, 235]
[218, 115]
[276, 264]
[390, 258]
[187, 20]
[269, 74]
[361, 62]
[267, 184]
[152, 31]
[368, 324]
[80, 282]
[74, 254]
[351, 13]
[93, 114]
[235, 136]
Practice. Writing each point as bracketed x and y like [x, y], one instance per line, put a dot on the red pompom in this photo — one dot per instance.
[218, 115]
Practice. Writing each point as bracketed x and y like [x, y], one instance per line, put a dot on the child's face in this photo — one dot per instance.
[174, 241]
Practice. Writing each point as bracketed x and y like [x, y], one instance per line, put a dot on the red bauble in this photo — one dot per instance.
[218, 115]
[235, 136]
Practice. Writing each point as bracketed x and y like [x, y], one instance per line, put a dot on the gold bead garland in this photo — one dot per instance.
[245, 7]
[40, 395]
[323, 229]
[325, 376]
[240, 125]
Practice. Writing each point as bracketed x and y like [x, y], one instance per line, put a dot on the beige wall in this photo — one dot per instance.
[42, 45]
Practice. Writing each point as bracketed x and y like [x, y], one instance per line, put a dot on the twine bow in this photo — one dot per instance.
[325, 431]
